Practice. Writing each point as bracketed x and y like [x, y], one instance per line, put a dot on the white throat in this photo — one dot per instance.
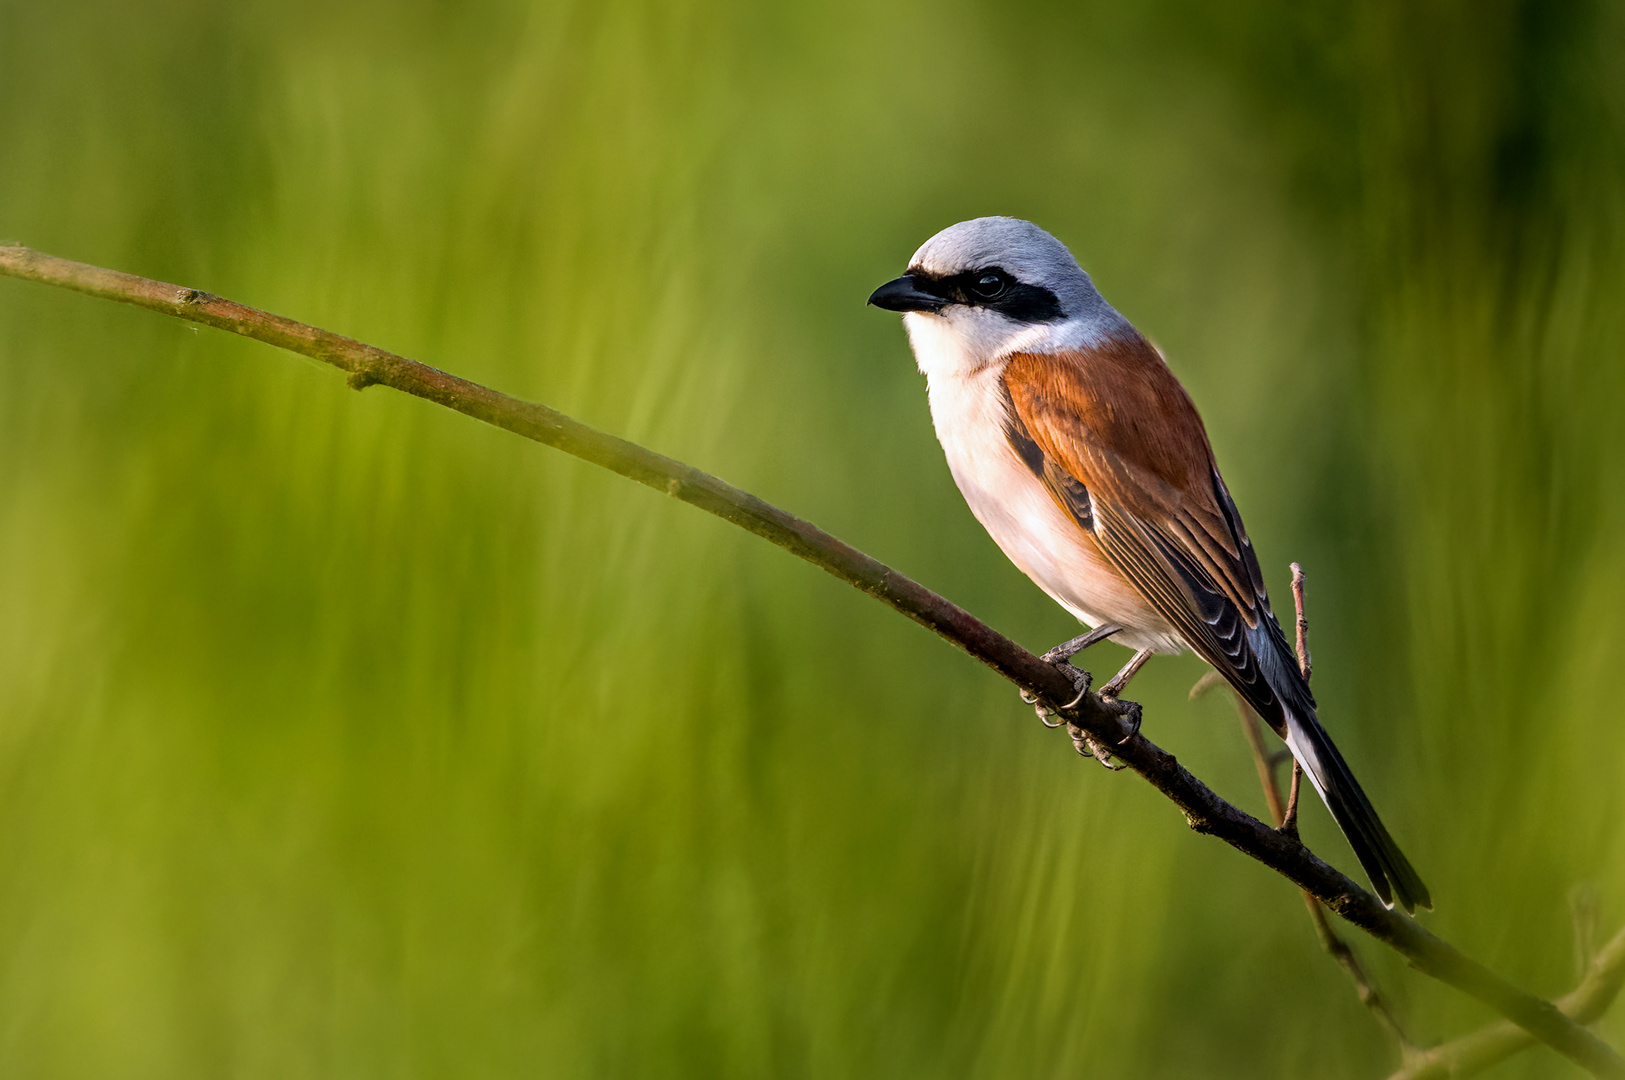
[964, 340]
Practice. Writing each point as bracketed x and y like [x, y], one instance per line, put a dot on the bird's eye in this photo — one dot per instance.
[989, 284]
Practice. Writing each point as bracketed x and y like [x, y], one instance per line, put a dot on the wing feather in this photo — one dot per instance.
[1156, 507]
[1113, 423]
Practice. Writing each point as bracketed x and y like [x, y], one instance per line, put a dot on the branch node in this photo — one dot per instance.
[1342, 904]
[360, 380]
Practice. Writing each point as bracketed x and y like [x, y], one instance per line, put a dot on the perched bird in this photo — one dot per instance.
[1082, 455]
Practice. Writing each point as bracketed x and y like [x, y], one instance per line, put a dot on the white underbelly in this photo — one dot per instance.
[1043, 541]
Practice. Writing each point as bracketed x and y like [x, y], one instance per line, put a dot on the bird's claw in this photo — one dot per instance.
[1131, 711]
[1040, 708]
[1080, 683]
[1089, 746]
[1080, 680]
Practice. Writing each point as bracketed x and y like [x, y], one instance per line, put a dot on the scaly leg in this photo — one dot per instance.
[1120, 680]
[1068, 649]
[1059, 656]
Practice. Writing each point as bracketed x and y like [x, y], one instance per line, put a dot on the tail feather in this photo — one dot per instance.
[1393, 876]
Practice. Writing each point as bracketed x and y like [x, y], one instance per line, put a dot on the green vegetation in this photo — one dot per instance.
[343, 736]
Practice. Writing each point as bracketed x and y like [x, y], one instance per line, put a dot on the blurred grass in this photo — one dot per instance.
[339, 736]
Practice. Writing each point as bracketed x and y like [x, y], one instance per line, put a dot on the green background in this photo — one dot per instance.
[343, 736]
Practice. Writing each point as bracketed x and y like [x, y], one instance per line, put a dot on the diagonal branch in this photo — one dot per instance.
[1285, 814]
[1329, 939]
[1479, 1050]
[1204, 811]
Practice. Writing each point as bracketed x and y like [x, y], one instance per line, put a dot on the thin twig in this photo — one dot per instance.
[1330, 940]
[1109, 723]
[1254, 731]
[1289, 823]
[1489, 1045]
[1305, 664]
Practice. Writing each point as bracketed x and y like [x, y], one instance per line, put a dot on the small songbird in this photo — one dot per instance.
[1082, 455]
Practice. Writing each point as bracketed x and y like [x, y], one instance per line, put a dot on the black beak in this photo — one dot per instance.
[906, 294]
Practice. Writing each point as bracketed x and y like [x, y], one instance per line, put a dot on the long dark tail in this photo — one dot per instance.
[1393, 876]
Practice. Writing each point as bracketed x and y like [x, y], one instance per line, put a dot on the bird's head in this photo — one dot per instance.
[984, 289]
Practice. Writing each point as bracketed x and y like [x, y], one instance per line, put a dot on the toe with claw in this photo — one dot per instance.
[1130, 711]
[1089, 746]
[1080, 682]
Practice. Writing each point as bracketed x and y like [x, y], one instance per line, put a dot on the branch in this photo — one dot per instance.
[1478, 1051]
[1109, 724]
[1329, 939]
[1283, 811]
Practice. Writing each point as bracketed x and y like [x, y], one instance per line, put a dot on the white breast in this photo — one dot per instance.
[968, 409]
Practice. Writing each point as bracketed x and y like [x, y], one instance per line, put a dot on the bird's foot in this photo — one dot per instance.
[1080, 680]
[1130, 712]
[1120, 680]
[1066, 650]
[1089, 746]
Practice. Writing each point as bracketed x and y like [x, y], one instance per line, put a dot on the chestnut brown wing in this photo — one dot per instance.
[1117, 442]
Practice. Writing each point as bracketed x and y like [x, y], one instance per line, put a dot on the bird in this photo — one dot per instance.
[1079, 451]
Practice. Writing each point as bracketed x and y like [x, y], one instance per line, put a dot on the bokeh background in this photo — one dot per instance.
[343, 736]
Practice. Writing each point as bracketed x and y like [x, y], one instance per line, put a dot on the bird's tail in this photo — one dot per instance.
[1393, 876]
